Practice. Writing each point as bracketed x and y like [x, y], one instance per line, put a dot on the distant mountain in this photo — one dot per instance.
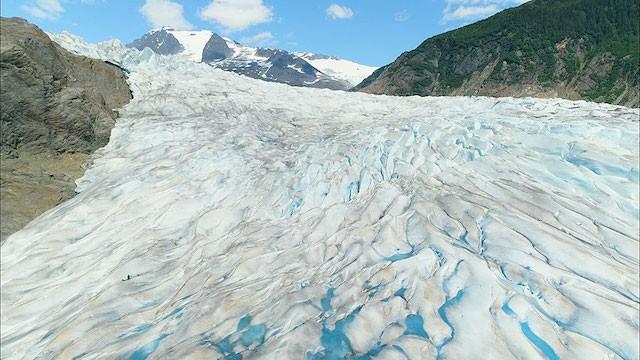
[574, 49]
[297, 69]
[161, 42]
[342, 69]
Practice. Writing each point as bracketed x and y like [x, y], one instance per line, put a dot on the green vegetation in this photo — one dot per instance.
[535, 28]
[541, 43]
[608, 88]
[607, 25]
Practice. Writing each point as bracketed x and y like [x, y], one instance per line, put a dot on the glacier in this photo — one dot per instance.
[239, 219]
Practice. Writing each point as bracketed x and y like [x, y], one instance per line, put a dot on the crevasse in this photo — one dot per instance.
[257, 220]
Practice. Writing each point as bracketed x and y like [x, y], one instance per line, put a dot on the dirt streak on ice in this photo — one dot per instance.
[260, 220]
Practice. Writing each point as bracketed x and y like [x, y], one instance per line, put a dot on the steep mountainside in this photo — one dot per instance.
[574, 49]
[298, 69]
[57, 108]
[162, 42]
[216, 49]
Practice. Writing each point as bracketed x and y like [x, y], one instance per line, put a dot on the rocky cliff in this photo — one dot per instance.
[57, 108]
[161, 42]
[573, 49]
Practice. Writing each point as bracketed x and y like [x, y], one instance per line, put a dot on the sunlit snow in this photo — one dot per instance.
[229, 217]
[192, 41]
[349, 71]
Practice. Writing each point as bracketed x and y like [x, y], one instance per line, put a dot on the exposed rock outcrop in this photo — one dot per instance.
[54, 103]
[160, 41]
[216, 49]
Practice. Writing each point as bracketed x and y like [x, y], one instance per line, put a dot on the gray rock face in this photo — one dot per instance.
[53, 99]
[57, 107]
[161, 42]
[283, 67]
[216, 49]
[288, 68]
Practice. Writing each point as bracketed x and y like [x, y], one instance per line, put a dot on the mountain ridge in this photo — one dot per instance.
[576, 49]
[270, 64]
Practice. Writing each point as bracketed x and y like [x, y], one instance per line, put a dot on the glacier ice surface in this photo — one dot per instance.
[229, 217]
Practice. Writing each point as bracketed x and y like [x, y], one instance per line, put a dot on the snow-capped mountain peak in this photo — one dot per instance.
[299, 69]
[342, 69]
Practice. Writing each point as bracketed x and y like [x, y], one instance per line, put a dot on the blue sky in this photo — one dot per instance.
[372, 32]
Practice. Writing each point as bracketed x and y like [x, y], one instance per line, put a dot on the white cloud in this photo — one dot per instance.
[336, 11]
[259, 39]
[159, 13]
[401, 16]
[468, 12]
[471, 10]
[44, 9]
[236, 15]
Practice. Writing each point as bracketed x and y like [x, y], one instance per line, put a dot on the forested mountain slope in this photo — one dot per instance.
[574, 49]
